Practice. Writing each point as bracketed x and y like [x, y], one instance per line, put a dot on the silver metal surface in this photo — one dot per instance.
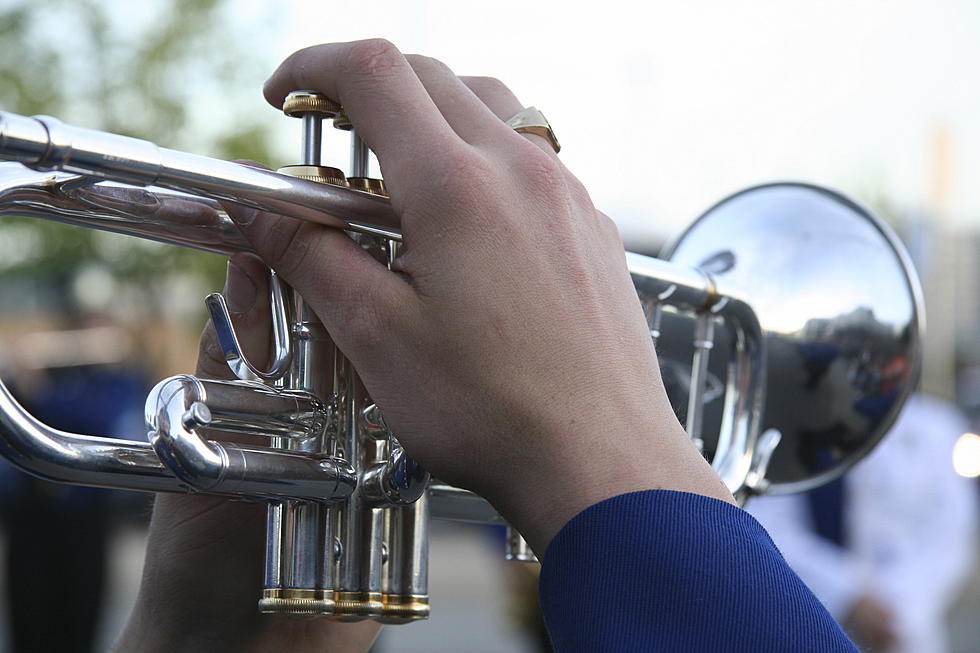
[177, 410]
[312, 139]
[516, 547]
[360, 156]
[360, 525]
[704, 335]
[685, 288]
[756, 483]
[841, 310]
[55, 455]
[101, 155]
[301, 546]
[457, 504]
[745, 388]
[396, 479]
[239, 364]
[693, 291]
[407, 565]
[153, 213]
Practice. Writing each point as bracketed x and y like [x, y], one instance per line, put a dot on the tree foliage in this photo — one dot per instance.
[163, 71]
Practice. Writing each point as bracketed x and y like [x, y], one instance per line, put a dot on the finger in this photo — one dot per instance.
[357, 298]
[503, 103]
[470, 118]
[494, 94]
[246, 292]
[380, 93]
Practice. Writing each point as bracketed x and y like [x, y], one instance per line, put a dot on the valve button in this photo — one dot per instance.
[368, 185]
[322, 174]
[301, 103]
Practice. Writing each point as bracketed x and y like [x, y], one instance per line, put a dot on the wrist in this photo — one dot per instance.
[540, 502]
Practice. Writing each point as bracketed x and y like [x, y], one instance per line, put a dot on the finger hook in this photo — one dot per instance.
[240, 366]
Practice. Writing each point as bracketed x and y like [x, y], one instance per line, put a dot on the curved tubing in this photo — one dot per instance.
[175, 411]
[735, 456]
[57, 455]
[150, 212]
[399, 481]
[217, 468]
[456, 504]
[690, 289]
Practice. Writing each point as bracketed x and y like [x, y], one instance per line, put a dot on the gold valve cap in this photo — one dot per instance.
[322, 174]
[404, 608]
[341, 121]
[296, 601]
[356, 606]
[300, 103]
[368, 185]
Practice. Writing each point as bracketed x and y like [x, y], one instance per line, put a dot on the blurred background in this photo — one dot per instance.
[662, 109]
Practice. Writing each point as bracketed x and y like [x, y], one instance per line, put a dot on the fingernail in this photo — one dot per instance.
[239, 290]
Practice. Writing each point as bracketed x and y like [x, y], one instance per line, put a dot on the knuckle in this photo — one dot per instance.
[373, 57]
[462, 167]
[542, 172]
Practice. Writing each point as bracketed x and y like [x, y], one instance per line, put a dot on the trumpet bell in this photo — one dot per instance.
[841, 312]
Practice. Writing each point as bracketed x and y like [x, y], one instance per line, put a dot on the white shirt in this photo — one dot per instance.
[910, 523]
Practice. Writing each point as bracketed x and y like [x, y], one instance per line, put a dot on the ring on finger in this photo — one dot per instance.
[532, 121]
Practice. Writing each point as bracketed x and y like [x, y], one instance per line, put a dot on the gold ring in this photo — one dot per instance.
[532, 121]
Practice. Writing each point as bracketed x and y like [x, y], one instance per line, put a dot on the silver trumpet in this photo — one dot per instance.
[811, 298]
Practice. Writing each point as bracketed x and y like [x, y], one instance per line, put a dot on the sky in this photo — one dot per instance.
[663, 108]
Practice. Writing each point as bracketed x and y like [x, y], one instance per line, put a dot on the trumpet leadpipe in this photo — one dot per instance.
[44, 143]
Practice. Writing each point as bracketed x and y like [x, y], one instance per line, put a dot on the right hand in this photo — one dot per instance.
[507, 349]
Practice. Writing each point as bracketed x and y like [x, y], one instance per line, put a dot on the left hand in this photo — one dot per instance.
[202, 577]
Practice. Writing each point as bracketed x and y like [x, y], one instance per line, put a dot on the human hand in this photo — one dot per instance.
[202, 576]
[871, 624]
[507, 348]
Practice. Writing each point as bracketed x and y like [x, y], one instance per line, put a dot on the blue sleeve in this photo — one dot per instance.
[671, 571]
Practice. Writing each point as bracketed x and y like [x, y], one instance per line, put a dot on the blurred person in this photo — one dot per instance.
[57, 535]
[887, 547]
[520, 371]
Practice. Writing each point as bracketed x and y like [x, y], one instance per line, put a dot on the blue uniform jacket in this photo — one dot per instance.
[671, 571]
